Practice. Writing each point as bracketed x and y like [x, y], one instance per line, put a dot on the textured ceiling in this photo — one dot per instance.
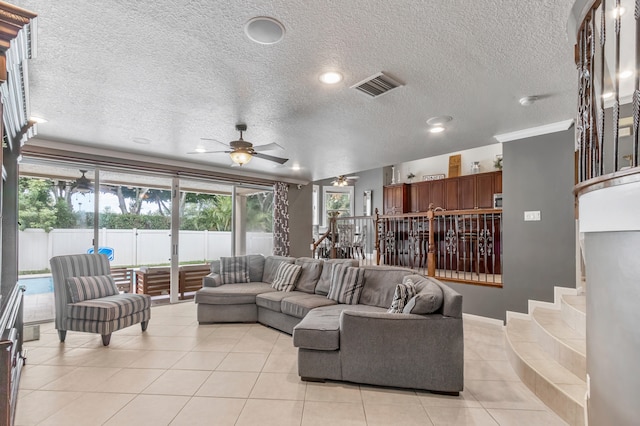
[173, 72]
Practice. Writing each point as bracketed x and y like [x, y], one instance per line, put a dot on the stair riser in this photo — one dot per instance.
[562, 404]
[564, 355]
[574, 318]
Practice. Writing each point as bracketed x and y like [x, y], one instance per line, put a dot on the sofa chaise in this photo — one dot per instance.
[369, 331]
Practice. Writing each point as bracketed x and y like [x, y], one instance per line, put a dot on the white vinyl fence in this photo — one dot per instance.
[136, 247]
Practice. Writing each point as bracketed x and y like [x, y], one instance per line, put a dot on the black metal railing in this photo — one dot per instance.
[608, 90]
[462, 245]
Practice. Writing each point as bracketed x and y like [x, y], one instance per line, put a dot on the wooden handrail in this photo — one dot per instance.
[440, 212]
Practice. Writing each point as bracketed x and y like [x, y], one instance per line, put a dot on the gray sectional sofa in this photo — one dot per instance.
[359, 342]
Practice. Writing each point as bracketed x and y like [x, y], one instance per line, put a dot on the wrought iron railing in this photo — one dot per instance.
[347, 237]
[608, 62]
[462, 245]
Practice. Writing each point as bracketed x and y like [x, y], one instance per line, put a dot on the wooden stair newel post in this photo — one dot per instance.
[333, 225]
[431, 253]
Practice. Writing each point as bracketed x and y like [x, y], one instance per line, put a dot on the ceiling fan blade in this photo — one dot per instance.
[271, 158]
[215, 140]
[208, 152]
[267, 147]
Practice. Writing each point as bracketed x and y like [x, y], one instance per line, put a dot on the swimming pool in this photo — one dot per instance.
[37, 285]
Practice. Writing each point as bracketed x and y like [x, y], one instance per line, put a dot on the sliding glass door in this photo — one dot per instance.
[158, 231]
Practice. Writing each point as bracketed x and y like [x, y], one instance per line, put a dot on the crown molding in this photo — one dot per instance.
[560, 126]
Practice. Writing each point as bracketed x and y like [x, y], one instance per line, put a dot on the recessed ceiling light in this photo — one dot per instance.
[295, 167]
[607, 95]
[331, 77]
[437, 129]
[439, 121]
[625, 74]
[38, 120]
[200, 149]
[264, 30]
[142, 141]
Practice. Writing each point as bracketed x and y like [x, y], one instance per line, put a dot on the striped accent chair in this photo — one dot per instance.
[98, 308]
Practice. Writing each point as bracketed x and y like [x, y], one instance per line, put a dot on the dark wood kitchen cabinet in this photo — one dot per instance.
[396, 199]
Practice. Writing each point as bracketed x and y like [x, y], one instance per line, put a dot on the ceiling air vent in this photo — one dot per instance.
[376, 85]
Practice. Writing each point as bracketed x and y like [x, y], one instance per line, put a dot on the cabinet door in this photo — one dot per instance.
[396, 199]
[451, 194]
[413, 197]
[485, 190]
[424, 196]
[497, 182]
[466, 192]
[402, 198]
[436, 193]
[388, 200]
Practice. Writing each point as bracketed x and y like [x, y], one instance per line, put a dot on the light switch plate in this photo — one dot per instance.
[532, 216]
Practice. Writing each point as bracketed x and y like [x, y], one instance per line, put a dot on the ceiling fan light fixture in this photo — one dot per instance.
[240, 156]
[342, 180]
[436, 129]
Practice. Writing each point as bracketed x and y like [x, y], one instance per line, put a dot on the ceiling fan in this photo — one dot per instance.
[242, 151]
[343, 180]
[82, 184]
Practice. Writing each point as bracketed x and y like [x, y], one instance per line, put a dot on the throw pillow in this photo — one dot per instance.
[346, 284]
[234, 269]
[404, 292]
[286, 276]
[427, 300]
[92, 287]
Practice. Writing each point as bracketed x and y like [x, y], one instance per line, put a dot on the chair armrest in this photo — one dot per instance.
[212, 280]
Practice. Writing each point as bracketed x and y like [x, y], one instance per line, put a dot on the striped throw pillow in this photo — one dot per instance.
[346, 284]
[91, 287]
[404, 293]
[286, 276]
[234, 269]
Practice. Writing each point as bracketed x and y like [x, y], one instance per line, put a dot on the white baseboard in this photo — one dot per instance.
[517, 315]
[484, 320]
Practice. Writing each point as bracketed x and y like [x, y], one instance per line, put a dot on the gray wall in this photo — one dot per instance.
[372, 180]
[369, 180]
[536, 256]
[300, 231]
[613, 343]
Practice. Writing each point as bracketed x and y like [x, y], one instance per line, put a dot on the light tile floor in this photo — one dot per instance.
[182, 373]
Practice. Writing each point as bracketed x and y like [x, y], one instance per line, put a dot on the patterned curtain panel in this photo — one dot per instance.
[281, 219]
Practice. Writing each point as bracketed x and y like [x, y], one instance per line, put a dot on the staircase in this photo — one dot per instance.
[547, 349]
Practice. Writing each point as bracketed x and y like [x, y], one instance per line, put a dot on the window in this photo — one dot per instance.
[337, 199]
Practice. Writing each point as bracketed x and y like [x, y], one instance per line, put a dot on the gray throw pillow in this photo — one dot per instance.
[286, 276]
[346, 284]
[324, 282]
[271, 264]
[234, 269]
[427, 300]
[91, 287]
[310, 274]
[404, 292]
